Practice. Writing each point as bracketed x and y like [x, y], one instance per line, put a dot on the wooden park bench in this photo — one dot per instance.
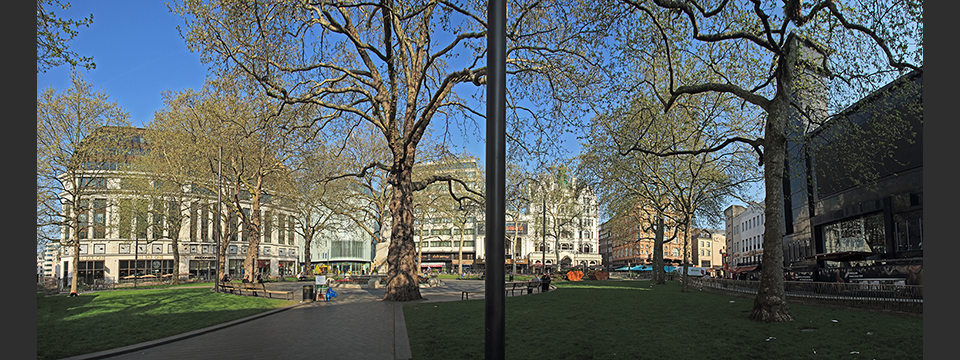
[513, 287]
[510, 288]
[533, 286]
[254, 289]
[233, 288]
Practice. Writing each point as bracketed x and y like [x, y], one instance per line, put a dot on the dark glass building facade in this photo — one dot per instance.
[853, 191]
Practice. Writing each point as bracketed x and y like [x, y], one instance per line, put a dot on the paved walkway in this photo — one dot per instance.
[354, 325]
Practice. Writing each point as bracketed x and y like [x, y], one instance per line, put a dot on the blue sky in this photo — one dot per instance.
[139, 54]
[138, 51]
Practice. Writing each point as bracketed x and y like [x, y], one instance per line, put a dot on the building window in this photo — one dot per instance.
[291, 233]
[158, 219]
[194, 221]
[267, 231]
[89, 272]
[909, 231]
[232, 249]
[860, 234]
[99, 218]
[205, 222]
[193, 249]
[235, 266]
[124, 248]
[281, 227]
[83, 249]
[157, 268]
[93, 183]
[141, 219]
[244, 227]
[99, 248]
[232, 226]
[158, 248]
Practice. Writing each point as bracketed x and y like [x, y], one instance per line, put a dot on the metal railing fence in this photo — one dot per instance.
[902, 298]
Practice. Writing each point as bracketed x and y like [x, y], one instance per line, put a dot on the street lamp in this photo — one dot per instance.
[218, 231]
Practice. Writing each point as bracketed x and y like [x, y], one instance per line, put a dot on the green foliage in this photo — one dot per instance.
[625, 319]
[53, 33]
[70, 326]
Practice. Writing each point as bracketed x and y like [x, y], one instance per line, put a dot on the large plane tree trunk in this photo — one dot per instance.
[770, 304]
[401, 283]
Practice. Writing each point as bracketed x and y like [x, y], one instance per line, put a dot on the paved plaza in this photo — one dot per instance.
[354, 325]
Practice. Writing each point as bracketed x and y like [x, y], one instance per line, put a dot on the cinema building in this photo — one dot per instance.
[853, 194]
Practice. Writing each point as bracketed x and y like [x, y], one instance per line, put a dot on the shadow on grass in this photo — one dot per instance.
[611, 319]
[70, 326]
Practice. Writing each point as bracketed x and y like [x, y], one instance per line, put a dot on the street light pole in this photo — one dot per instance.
[217, 236]
[495, 302]
[136, 260]
[543, 231]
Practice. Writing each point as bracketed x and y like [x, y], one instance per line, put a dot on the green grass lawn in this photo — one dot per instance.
[477, 277]
[110, 319]
[632, 320]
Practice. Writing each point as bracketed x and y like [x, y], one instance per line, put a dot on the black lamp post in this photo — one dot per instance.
[495, 203]
[218, 231]
[136, 262]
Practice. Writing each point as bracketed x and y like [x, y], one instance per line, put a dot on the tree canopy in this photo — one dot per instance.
[787, 63]
[53, 33]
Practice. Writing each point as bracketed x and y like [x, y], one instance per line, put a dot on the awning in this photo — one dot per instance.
[744, 269]
[842, 256]
[431, 264]
[625, 268]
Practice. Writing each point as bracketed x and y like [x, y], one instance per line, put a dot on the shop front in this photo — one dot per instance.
[263, 268]
[432, 266]
[90, 272]
[286, 268]
[235, 268]
[203, 268]
[145, 269]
